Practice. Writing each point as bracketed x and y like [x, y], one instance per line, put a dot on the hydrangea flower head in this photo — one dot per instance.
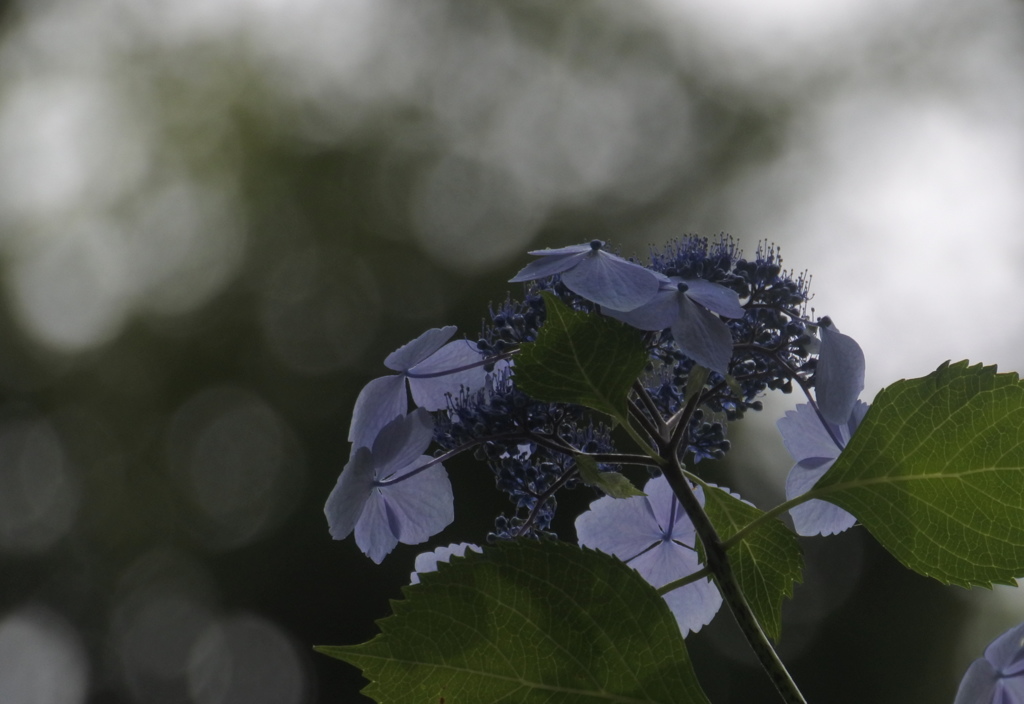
[653, 535]
[392, 493]
[998, 677]
[432, 369]
[428, 561]
[596, 275]
[687, 307]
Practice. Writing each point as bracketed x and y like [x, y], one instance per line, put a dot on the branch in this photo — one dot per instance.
[718, 562]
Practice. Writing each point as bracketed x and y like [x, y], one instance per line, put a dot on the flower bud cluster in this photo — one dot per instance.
[514, 322]
[769, 341]
[528, 444]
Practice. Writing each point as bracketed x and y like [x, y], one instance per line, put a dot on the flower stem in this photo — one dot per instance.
[718, 562]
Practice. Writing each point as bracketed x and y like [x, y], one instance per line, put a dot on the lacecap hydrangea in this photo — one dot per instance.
[719, 330]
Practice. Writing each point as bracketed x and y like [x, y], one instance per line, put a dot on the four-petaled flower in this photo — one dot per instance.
[688, 307]
[653, 535]
[392, 493]
[433, 370]
[596, 275]
[997, 678]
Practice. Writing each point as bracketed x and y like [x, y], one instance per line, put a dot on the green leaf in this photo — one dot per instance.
[588, 359]
[613, 484]
[766, 562]
[528, 622]
[936, 473]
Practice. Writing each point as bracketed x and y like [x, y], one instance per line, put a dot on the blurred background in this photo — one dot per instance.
[217, 218]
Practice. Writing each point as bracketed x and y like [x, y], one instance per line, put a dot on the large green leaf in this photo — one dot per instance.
[588, 359]
[766, 562]
[936, 473]
[528, 622]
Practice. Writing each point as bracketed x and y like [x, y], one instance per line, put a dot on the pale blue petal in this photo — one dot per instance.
[431, 392]
[379, 403]
[409, 510]
[665, 562]
[815, 451]
[815, 517]
[702, 336]
[694, 605]
[804, 435]
[667, 283]
[668, 512]
[458, 353]
[636, 528]
[556, 263]
[620, 527]
[658, 314]
[428, 561]
[376, 530]
[839, 378]
[348, 498]
[805, 474]
[401, 443]
[1007, 650]
[1009, 691]
[611, 281]
[978, 685]
[845, 431]
[412, 353]
[715, 297]
[860, 409]
[422, 505]
[424, 562]
[571, 249]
